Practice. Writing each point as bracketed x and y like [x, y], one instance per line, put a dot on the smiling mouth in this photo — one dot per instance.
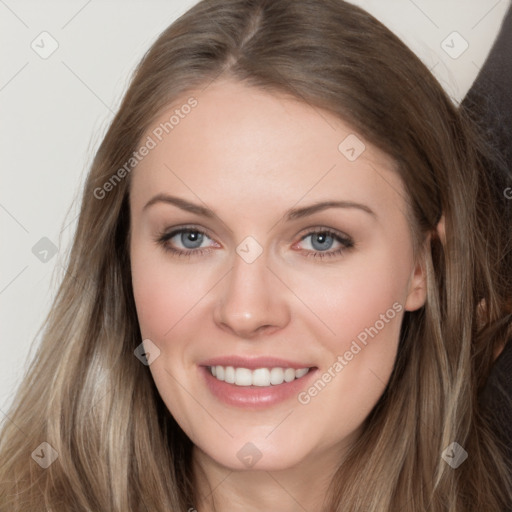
[260, 377]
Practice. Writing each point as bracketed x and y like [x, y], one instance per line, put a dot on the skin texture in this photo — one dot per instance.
[250, 155]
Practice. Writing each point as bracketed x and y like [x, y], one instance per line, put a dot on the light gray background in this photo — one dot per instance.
[54, 112]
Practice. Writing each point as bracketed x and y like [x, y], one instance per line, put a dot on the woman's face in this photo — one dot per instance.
[293, 252]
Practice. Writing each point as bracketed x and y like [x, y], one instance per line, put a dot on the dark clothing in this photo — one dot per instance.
[490, 97]
[490, 103]
[497, 397]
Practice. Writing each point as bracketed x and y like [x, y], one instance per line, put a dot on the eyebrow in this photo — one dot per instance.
[292, 214]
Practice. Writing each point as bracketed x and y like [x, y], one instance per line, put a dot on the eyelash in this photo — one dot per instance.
[163, 238]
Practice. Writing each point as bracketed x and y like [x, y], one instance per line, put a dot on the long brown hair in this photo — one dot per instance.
[85, 393]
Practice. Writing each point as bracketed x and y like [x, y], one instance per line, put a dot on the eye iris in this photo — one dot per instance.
[321, 241]
[191, 239]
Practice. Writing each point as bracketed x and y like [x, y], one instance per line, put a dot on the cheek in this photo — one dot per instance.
[360, 305]
[166, 297]
[364, 312]
[164, 292]
[361, 294]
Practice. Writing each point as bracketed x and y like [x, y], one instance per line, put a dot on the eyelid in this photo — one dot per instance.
[324, 229]
[162, 239]
[340, 236]
[170, 232]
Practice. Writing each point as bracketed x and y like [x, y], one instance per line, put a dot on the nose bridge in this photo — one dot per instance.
[250, 298]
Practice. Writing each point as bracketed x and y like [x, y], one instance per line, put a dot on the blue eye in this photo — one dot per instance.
[191, 239]
[323, 239]
[189, 242]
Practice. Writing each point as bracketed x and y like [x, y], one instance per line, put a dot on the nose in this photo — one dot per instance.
[252, 301]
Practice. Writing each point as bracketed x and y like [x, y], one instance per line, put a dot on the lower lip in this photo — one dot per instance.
[255, 397]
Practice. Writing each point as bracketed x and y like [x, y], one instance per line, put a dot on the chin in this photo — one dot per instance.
[259, 455]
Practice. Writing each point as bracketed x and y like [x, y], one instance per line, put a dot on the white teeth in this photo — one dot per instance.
[300, 373]
[229, 375]
[276, 376]
[289, 374]
[260, 377]
[243, 377]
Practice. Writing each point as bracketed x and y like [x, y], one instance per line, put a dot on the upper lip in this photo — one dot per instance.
[252, 363]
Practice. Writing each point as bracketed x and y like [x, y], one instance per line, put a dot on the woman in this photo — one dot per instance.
[272, 299]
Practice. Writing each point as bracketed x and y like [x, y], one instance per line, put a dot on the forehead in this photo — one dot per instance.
[241, 145]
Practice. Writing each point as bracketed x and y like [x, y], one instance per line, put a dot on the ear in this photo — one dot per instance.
[417, 292]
